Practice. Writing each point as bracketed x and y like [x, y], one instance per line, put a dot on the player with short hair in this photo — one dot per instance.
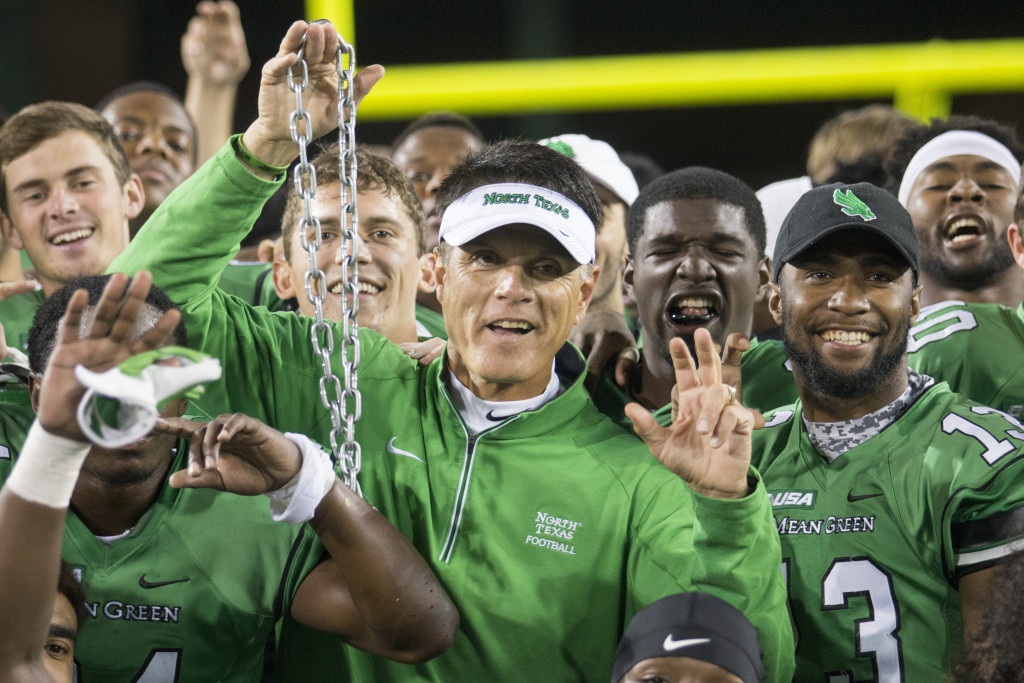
[959, 180]
[184, 581]
[472, 456]
[893, 496]
[392, 241]
[67, 193]
[426, 150]
[696, 243]
[158, 137]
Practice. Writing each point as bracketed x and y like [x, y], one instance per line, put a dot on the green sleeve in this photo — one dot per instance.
[732, 550]
[192, 236]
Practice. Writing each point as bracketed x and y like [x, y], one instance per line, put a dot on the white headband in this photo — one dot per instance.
[494, 206]
[954, 143]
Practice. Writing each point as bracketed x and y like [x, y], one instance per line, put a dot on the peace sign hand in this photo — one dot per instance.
[708, 443]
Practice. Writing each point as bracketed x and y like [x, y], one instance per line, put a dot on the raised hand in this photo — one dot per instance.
[234, 453]
[213, 47]
[708, 442]
[269, 138]
[110, 338]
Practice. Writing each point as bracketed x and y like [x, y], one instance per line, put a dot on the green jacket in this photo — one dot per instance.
[548, 531]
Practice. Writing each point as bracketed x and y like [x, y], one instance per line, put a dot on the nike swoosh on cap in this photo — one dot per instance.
[670, 644]
[395, 450]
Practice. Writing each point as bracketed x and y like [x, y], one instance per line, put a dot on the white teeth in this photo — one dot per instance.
[961, 238]
[961, 224]
[71, 236]
[845, 337]
[364, 288]
[513, 325]
[695, 302]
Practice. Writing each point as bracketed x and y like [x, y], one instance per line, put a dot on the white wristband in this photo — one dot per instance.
[47, 468]
[296, 501]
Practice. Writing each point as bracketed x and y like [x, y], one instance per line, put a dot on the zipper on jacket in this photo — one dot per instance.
[462, 492]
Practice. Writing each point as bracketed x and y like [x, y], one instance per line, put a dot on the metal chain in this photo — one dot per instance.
[344, 404]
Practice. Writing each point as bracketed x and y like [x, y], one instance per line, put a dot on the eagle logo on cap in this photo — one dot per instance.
[852, 205]
[563, 148]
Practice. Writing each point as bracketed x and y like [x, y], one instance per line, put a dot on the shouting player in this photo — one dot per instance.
[959, 178]
[977, 348]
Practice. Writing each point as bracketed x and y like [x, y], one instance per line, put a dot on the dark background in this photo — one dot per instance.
[80, 50]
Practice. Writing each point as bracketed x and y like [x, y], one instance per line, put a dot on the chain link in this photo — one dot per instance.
[341, 399]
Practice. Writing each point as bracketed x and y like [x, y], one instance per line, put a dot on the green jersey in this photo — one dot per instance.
[192, 593]
[16, 315]
[874, 542]
[431, 322]
[548, 531]
[978, 349]
[252, 282]
[767, 383]
[767, 376]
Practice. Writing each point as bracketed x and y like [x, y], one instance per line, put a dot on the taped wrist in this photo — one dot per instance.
[296, 501]
[48, 467]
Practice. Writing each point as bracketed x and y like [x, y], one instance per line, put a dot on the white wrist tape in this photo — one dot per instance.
[296, 501]
[48, 467]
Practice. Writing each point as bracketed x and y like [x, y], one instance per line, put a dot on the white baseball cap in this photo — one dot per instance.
[599, 160]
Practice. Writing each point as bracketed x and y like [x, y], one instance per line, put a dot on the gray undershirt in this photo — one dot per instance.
[833, 439]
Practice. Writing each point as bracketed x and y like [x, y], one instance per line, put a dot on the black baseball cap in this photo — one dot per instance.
[696, 625]
[831, 208]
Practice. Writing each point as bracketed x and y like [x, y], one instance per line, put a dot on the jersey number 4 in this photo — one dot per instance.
[876, 637]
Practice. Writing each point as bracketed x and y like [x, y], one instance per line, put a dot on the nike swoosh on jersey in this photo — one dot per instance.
[850, 498]
[146, 584]
[670, 644]
[395, 450]
[497, 418]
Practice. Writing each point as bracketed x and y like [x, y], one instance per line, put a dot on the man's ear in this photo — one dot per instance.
[628, 272]
[915, 304]
[587, 290]
[439, 273]
[1016, 239]
[284, 283]
[134, 197]
[11, 235]
[764, 277]
[34, 384]
[427, 283]
[775, 302]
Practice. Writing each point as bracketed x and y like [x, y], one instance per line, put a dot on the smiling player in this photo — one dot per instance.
[893, 496]
[66, 194]
[392, 238]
